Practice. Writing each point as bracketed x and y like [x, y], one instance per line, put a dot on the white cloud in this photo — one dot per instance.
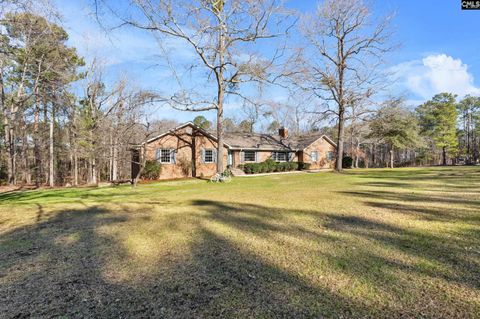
[435, 74]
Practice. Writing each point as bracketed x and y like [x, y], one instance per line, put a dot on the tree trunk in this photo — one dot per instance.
[220, 98]
[92, 162]
[142, 159]
[374, 156]
[220, 137]
[391, 157]
[27, 176]
[341, 129]
[75, 148]
[51, 172]
[94, 171]
[75, 167]
[10, 150]
[444, 156]
[115, 159]
[110, 157]
[194, 152]
[7, 130]
[36, 146]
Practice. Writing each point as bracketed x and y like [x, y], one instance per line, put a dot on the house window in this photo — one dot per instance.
[280, 156]
[330, 156]
[209, 156]
[314, 156]
[250, 156]
[165, 156]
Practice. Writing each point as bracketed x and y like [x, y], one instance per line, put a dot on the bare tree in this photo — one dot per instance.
[253, 111]
[351, 47]
[221, 35]
[293, 112]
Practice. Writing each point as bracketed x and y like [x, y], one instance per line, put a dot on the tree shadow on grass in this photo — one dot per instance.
[448, 253]
[439, 258]
[430, 213]
[60, 266]
[459, 177]
[417, 197]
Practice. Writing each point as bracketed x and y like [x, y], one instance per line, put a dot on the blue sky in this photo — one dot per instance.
[439, 49]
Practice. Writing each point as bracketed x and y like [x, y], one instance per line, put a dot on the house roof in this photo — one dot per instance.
[303, 141]
[257, 141]
[240, 140]
[191, 124]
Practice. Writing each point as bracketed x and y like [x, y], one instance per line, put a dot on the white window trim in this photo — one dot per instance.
[254, 161]
[204, 159]
[330, 156]
[275, 156]
[314, 158]
[170, 151]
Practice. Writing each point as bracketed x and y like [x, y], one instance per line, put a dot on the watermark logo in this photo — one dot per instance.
[470, 4]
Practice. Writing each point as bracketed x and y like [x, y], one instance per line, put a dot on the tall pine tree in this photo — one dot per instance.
[438, 121]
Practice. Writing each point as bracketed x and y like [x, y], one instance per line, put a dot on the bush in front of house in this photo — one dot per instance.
[250, 168]
[262, 168]
[270, 166]
[302, 166]
[151, 170]
[293, 166]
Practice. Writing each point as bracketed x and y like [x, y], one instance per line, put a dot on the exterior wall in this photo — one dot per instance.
[236, 158]
[262, 156]
[188, 156]
[207, 169]
[322, 147]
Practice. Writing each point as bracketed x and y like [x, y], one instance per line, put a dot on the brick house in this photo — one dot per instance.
[190, 151]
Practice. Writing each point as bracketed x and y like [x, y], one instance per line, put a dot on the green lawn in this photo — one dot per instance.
[367, 243]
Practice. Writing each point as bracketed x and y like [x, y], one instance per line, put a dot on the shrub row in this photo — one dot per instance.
[270, 166]
[303, 166]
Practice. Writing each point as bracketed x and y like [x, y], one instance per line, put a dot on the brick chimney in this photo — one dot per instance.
[283, 132]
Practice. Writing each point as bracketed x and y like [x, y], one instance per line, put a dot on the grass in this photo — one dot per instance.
[368, 243]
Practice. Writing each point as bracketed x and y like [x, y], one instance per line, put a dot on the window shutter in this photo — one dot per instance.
[202, 154]
[173, 156]
[214, 156]
[290, 156]
[158, 153]
[242, 157]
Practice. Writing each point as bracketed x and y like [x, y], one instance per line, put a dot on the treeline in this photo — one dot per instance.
[60, 123]
[442, 131]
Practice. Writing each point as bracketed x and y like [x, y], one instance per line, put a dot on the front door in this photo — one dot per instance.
[230, 158]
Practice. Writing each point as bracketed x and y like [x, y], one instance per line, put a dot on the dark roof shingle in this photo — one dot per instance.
[267, 142]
